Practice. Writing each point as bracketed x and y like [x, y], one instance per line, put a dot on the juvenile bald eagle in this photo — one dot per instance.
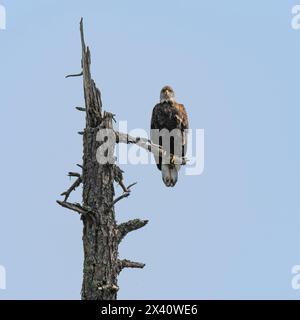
[168, 124]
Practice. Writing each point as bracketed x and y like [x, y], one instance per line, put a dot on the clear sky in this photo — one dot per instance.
[232, 232]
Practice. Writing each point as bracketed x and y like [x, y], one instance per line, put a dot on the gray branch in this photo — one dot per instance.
[72, 188]
[132, 225]
[74, 174]
[126, 193]
[123, 196]
[80, 109]
[75, 75]
[129, 264]
[74, 207]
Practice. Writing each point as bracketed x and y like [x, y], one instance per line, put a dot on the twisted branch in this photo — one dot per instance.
[73, 187]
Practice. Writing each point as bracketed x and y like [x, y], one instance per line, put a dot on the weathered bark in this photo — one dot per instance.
[99, 237]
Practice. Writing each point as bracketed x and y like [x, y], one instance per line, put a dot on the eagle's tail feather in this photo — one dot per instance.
[169, 175]
[174, 175]
[166, 174]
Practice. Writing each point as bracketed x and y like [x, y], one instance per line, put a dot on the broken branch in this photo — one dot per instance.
[74, 207]
[73, 186]
[126, 193]
[75, 75]
[74, 174]
[124, 228]
[123, 196]
[129, 264]
[80, 109]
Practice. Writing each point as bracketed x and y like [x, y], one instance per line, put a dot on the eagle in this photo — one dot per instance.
[169, 123]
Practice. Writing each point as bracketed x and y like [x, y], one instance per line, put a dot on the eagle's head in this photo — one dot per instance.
[167, 94]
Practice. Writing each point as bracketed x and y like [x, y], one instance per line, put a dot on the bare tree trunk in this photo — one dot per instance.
[101, 234]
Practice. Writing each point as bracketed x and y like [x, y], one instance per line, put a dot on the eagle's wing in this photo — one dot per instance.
[153, 118]
[183, 125]
[182, 117]
[155, 124]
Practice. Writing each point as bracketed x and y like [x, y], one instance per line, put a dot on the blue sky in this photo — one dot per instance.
[230, 233]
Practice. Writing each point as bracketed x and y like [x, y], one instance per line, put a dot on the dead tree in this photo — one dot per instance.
[101, 233]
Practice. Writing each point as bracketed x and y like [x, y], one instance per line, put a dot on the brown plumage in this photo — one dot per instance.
[169, 115]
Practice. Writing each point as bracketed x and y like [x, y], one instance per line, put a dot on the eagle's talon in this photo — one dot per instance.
[172, 159]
